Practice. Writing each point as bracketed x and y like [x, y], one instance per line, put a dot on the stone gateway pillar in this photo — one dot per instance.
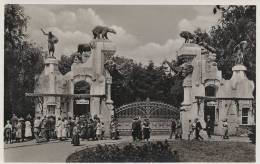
[101, 103]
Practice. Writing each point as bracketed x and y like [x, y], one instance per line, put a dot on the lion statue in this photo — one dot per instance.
[189, 37]
[102, 30]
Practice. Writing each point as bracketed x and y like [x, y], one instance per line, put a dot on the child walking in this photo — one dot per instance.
[8, 132]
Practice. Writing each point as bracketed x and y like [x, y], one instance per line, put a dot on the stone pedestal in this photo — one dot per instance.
[51, 66]
[238, 73]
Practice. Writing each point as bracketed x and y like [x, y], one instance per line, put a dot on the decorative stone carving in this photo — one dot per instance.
[183, 70]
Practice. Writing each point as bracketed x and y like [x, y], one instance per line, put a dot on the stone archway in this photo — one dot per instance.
[81, 106]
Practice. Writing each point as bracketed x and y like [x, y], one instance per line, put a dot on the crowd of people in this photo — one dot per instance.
[87, 128]
[46, 128]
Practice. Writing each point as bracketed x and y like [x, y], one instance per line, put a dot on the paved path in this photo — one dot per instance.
[58, 151]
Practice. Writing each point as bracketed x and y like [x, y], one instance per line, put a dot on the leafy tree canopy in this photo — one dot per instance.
[23, 60]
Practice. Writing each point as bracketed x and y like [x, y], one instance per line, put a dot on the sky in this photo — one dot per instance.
[144, 32]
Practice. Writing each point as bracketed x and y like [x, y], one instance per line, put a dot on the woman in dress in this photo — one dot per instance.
[146, 129]
[83, 128]
[59, 128]
[99, 130]
[28, 129]
[19, 131]
[64, 128]
[75, 135]
[178, 130]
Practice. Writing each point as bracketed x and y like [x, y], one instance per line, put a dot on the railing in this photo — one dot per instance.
[147, 109]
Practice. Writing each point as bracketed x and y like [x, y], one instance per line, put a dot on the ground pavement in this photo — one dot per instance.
[58, 151]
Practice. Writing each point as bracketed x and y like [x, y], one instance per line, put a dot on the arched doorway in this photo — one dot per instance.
[209, 106]
[81, 106]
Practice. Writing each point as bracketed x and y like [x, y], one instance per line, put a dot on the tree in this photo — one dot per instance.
[15, 23]
[23, 60]
[237, 23]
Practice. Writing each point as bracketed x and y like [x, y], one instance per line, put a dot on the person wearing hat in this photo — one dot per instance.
[135, 128]
[28, 129]
[225, 129]
[14, 120]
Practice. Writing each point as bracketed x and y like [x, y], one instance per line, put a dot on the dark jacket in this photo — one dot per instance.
[198, 126]
[173, 125]
[48, 125]
[208, 124]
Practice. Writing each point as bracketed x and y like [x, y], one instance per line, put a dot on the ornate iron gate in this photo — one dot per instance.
[158, 113]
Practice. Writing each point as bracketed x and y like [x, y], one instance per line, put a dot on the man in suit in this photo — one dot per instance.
[197, 129]
[208, 126]
[173, 127]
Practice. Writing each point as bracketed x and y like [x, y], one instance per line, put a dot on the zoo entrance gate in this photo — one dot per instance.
[159, 115]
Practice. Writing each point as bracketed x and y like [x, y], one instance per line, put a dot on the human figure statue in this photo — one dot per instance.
[239, 51]
[51, 41]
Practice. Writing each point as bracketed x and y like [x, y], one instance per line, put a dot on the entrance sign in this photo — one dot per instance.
[211, 103]
[82, 101]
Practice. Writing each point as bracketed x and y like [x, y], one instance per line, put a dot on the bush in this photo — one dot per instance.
[148, 152]
[252, 135]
